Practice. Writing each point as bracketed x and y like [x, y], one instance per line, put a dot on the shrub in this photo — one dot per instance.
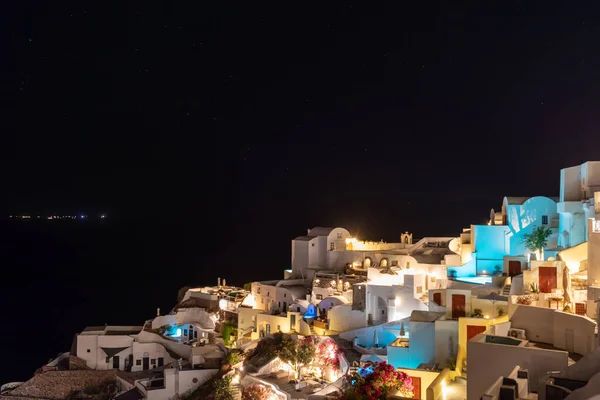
[91, 389]
[256, 392]
[477, 313]
[524, 300]
[221, 389]
[501, 311]
[378, 384]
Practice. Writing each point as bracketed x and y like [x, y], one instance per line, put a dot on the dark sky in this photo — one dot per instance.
[254, 121]
[214, 132]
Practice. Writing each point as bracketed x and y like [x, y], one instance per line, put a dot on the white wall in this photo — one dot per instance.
[488, 361]
[163, 320]
[570, 184]
[96, 358]
[343, 318]
[538, 322]
[153, 351]
[582, 329]
[446, 341]
[189, 380]
[523, 218]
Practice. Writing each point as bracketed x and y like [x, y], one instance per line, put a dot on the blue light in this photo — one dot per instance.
[177, 332]
[311, 311]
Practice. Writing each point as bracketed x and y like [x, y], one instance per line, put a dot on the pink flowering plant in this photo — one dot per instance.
[378, 384]
[257, 392]
[328, 353]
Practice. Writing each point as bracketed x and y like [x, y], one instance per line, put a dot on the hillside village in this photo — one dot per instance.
[503, 310]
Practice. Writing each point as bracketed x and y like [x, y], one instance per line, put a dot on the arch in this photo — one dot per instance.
[367, 263]
[384, 262]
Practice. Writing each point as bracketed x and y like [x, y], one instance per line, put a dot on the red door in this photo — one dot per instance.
[547, 278]
[473, 330]
[416, 381]
[514, 268]
[437, 298]
[458, 306]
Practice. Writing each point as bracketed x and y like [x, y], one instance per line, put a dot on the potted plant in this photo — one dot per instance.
[477, 313]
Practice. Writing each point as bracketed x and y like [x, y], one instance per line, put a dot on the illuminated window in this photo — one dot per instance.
[153, 361]
[419, 289]
[544, 220]
[596, 225]
[319, 297]
[408, 264]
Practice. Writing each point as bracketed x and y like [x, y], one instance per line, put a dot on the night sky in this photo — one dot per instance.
[212, 133]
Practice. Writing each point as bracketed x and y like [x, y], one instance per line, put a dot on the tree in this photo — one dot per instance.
[297, 352]
[537, 240]
[248, 286]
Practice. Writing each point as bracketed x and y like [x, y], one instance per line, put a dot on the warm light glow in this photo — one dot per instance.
[223, 304]
[317, 281]
[397, 301]
[351, 240]
[333, 283]
[487, 317]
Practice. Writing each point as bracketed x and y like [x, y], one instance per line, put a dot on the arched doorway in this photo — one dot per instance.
[367, 262]
[384, 262]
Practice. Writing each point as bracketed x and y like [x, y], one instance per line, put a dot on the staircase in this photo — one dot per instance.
[506, 290]
[236, 390]
[312, 330]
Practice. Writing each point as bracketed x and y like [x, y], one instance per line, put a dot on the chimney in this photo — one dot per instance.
[219, 281]
[224, 282]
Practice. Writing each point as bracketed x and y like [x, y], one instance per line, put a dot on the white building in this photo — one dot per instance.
[115, 347]
[576, 204]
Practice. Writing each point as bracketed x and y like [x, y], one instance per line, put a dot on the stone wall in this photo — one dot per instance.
[59, 384]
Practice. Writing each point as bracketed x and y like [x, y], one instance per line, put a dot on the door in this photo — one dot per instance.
[116, 362]
[146, 363]
[292, 322]
[570, 340]
[437, 298]
[473, 330]
[284, 306]
[268, 328]
[458, 306]
[191, 332]
[416, 381]
[161, 361]
[514, 268]
[547, 279]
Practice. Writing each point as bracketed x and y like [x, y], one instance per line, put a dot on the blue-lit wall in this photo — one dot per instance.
[421, 347]
[468, 269]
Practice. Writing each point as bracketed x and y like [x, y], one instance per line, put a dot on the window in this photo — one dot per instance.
[284, 295]
[279, 304]
[138, 362]
[262, 301]
[544, 220]
[433, 279]
[332, 246]
[185, 332]
[278, 328]
[195, 380]
[195, 334]
[596, 226]
[268, 294]
[88, 350]
[312, 244]
[408, 264]
[339, 235]
[395, 263]
[419, 289]
[153, 361]
[258, 290]
[382, 312]
[319, 297]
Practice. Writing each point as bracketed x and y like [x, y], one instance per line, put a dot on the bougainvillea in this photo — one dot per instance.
[328, 353]
[377, 385]
[257, 392]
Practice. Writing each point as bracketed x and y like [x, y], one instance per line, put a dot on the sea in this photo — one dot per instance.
[60, 276]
